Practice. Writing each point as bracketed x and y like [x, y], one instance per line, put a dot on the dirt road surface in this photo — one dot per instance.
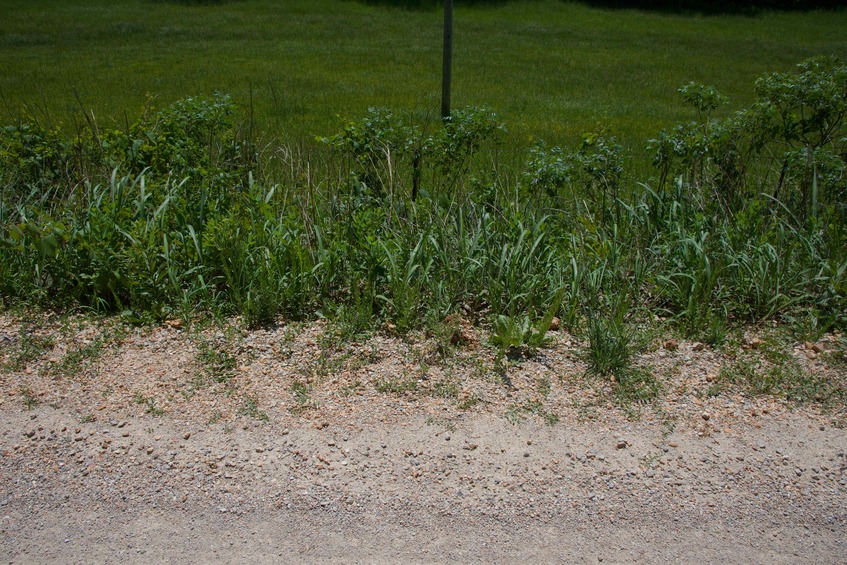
[132, 459]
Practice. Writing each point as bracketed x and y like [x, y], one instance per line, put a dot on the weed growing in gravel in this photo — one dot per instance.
[585, 411]
[216, 362]
[364, 358]
[84, 354]
[28, 398]
[468, 402]
[776, 373]
[544, 387]
[715, 331]
[650, 459]
[332, 355]
[448, 336]
[517, 412]
[636, 385]
[717, 388]
[356, 387]
[285, 348]
[80, 358]
[250, 407]
[399, 386]
[609, 348]
[810, 325]
[515, 336]
[150, 405]
[837, 358]
[31, 347]
[446, 423]
[445, 389]
[668, 421]
[302, 392]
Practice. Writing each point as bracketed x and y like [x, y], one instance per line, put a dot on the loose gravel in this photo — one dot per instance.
[216, 444]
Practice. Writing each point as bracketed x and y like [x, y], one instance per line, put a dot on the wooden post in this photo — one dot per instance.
[447, 65]
[416, 174]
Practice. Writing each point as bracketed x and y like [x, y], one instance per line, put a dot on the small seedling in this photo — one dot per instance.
[544, 387]
[516, 412]
[150, 403]
[445, 389]
[250, 407]
[301, 392]
[396, 386]
[28, 398]
[217, 363]
[469, 402]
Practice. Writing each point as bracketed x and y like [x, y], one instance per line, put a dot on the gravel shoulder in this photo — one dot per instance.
[295, 448]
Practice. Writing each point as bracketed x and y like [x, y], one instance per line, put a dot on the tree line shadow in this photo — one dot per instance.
[738, 7]
[716, 7]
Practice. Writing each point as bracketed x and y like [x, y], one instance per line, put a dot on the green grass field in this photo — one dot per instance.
[552, 70]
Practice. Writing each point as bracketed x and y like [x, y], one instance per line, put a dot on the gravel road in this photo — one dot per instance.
[91, 470]
[145, 490]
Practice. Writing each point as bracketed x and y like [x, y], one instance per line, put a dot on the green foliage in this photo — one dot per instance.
[592, 173]
[302, 396]
[620, 72]
[149, 404]
[250, 407]
[610, 348]
[399, 386]
[799, 117]
[515, 336]
[81, 357]
[389, 154]
[32, 156]
[347, 236]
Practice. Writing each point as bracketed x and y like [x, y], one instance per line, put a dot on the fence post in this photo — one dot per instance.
[447, 65]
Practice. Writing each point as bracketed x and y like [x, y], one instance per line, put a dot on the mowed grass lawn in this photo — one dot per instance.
[552, 70]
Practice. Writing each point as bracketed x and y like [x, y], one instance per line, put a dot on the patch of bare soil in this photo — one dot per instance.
[216, 444]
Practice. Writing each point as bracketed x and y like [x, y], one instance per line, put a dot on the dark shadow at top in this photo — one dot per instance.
[737, 7]
[196, 2]
[714, 7]
[428, 5]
